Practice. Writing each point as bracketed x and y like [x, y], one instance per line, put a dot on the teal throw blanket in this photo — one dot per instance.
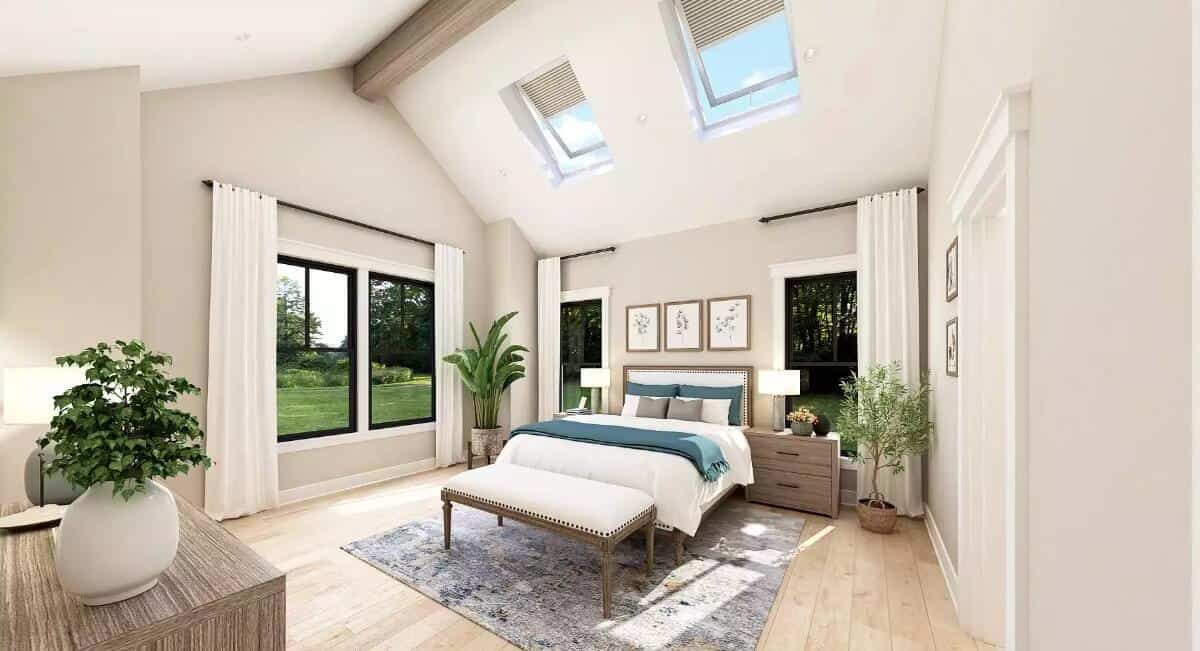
[704, 454]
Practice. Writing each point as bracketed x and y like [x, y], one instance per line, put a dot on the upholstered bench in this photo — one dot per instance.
[590, 511]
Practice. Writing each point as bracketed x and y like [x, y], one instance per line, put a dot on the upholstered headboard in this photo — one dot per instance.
[701, 376]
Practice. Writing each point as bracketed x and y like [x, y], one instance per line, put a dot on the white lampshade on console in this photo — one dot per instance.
[29, 392]
[594, 378]
[775, 382]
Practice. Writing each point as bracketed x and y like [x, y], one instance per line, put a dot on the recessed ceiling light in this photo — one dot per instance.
[642, 117]
[503, 172]
[811, 53]
[242, 36]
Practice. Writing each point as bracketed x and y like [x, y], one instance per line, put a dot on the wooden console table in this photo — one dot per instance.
[218, 594]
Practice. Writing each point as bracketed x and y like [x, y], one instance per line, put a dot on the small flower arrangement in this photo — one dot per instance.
[803, 415]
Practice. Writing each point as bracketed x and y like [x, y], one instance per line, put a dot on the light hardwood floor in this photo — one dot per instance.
[846, 589]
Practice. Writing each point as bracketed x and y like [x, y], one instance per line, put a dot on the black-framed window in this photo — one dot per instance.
[821, 325]
[401, 333]
[315, 366]
[580, 346]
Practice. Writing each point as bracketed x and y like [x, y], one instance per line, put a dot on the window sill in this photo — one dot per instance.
[287, 447]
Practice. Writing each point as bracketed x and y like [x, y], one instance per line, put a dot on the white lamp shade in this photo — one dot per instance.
[29, 392]
[594, 378]
[776, 382]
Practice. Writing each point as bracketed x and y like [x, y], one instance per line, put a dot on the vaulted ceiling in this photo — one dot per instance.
[863, 126]
[188, 42]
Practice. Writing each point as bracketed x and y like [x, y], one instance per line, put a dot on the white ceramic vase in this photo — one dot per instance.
[110, 549]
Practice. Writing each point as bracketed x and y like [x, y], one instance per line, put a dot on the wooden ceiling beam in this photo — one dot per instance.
[432, 30]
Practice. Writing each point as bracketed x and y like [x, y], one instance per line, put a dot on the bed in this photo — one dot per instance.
[680, 493]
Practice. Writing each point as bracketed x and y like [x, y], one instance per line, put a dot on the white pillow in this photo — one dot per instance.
[630, 406]
[712, 411]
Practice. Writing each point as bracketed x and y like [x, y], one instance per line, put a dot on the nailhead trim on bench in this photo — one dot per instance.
[558, 521]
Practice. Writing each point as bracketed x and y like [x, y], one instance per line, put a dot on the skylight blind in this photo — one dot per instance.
[710, 21]
[555, 90]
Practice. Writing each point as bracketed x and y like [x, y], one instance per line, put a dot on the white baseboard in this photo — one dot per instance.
[339, 484]
[943, 557]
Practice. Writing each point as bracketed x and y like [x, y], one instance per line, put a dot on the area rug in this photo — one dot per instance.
[539, 590]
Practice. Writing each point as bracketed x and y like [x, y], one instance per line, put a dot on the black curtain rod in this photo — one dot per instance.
[321, 213]
[809, 211]
[607, 249]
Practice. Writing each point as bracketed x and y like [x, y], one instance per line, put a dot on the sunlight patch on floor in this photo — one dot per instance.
[386, 500]
[816, 537]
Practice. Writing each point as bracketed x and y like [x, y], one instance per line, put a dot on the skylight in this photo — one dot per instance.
[739, 56]
[570, 133]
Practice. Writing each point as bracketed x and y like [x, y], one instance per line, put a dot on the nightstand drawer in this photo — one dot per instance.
[792, 490]
[806, 457]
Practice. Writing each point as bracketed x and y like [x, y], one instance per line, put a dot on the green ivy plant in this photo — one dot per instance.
[488, 371]
[887, 419]
[119, 426]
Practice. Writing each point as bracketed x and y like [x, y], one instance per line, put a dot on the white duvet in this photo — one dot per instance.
[678, 490]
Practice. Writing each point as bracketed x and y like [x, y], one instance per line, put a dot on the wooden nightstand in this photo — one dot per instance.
[796, 472]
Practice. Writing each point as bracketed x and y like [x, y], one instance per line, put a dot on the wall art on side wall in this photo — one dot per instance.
[641, 328]
[952, 271]
[952, 347]
[683, 323]
[729, 323]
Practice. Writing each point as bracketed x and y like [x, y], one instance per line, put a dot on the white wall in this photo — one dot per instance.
[512, 279]
[307, 139]
[1109, 308]
[986, 46]
[70, 226]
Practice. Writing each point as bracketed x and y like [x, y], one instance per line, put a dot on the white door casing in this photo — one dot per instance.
[989, 206]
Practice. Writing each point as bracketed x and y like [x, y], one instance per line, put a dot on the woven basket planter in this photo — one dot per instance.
[872, 517]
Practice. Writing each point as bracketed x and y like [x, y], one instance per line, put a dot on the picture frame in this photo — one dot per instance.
[729, 323]
[952, 271]
[642, 327]
[952, 347]
[683, 326]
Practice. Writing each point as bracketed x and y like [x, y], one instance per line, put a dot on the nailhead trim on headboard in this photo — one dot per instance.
[745, 372]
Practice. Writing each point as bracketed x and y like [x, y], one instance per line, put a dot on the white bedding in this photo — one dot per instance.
[678, 490]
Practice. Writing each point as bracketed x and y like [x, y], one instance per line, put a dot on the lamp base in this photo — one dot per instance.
[779, 414]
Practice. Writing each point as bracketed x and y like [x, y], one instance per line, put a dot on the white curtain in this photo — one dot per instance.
[889, 316]
[549, 297]
[241, 355]
[449, 445]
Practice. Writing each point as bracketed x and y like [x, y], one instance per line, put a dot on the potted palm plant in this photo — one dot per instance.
[114, 435]
[487, 370]
[888, 420]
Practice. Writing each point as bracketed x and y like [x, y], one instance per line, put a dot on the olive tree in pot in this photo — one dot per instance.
[888, 420]
[114, 435]
[487, 370]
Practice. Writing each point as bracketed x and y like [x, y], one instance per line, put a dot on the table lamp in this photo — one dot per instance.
[595, 379]
[779, 383]
[29, 400]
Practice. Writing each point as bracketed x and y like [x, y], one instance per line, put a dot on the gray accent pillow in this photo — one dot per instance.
[652, 407]
[685, 409]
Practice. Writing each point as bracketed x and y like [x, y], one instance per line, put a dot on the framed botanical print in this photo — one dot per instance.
[952, 347]
[641, 328]
[683, 325]
[729, 323]
[952, 271]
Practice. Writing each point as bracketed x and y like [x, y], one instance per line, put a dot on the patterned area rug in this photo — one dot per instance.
[539, 590]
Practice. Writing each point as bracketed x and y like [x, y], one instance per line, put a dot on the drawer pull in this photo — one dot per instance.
[788, 454]
[786, 485]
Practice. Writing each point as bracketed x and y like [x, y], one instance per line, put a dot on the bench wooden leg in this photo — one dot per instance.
[499, 521]
[650, 545]
[446, 523]
[679, 537]
[606, 579]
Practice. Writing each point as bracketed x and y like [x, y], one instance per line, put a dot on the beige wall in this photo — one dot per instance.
[986, 47]
[512, 280]
[1109, 325]
[721, 260]
[70, 226]
[307, 139]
